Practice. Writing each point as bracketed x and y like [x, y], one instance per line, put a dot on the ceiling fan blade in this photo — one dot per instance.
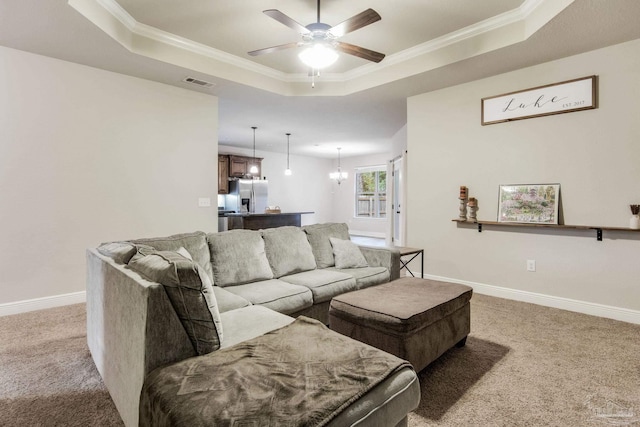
[273, 48]
[358, 21]
[284, 19]
[361, 52]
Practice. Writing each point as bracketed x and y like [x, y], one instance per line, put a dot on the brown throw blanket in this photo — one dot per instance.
[300, 375]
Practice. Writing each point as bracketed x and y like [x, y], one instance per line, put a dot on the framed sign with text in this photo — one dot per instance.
[564, 97]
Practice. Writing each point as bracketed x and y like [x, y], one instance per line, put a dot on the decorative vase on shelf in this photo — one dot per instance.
[472, 204]
[463, 203]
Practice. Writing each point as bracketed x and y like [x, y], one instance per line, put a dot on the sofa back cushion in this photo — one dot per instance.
[190, 291]
[238, 257]
[120, 252]
[195, 243]
[318, 236]
[288, 250]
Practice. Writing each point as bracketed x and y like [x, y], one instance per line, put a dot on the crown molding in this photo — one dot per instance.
[478, 29]
[153, 33]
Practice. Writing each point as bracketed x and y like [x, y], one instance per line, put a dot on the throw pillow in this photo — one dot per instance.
[195, 243]
[238, 257]
[288, 250]
[319, 234]
[347, 254]
[190, 291]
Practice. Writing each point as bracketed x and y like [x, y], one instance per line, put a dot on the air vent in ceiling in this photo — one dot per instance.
[198, 82]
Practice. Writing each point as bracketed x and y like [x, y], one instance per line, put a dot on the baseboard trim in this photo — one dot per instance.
[42, 303]
[601, 310]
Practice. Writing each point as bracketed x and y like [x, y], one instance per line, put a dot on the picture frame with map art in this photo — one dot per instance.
[529, 203]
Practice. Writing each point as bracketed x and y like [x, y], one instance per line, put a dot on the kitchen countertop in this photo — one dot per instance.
[267, 214]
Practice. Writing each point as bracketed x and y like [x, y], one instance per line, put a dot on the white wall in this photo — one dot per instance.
[308, 189]
[593, 154]
[399, 142]
[88, 156]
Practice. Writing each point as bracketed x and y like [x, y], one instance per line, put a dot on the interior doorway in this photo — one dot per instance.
[396, 234]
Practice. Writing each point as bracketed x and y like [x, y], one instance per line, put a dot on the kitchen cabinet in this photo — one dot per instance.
[239, 166]
[223, 174]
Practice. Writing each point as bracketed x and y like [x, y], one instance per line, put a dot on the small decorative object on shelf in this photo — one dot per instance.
[472, 204]
[634, 222]
[463, 203]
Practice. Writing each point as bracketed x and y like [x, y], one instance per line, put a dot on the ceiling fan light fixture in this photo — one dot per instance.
[318, 56]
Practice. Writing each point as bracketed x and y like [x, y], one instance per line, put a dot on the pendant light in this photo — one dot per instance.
[339, 176]
[254, 168]
[287, 171]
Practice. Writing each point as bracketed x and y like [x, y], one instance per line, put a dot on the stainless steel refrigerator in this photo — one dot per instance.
[247, 195]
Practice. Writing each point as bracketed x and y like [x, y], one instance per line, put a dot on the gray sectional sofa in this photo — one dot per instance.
[143, 298]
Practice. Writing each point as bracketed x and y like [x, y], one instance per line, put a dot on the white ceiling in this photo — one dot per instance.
[355, 105]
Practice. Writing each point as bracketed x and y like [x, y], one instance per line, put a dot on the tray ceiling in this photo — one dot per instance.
[213, 37]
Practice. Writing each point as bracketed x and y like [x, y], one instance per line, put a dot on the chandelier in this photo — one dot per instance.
[339, 176]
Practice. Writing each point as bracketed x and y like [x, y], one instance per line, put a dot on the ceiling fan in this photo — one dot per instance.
[321, 39]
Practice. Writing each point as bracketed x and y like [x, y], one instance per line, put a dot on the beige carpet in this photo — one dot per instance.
[47, 376]
[523, 365]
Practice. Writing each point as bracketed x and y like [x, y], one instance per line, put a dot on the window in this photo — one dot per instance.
[371, 192]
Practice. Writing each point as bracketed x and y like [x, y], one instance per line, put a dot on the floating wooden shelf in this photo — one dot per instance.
[597, 229]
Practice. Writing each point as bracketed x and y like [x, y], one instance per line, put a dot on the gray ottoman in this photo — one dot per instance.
[414, 319]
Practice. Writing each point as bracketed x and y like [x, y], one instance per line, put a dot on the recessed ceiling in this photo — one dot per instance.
[236, 30]
[214, 37]
[356, 105]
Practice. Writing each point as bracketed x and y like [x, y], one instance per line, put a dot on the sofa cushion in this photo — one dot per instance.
[324, 284]
[250, 322]
[367, 276]
[288, 250]
[318, 236]
[195, 243]
[238, 257]
[275, 294]
[228, 301]
[190, 291]
[347, 254]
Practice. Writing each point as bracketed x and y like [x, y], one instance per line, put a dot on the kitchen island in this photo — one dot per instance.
[257, 221]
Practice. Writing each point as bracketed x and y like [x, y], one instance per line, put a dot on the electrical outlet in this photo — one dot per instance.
[204, 202]
[531, 265]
